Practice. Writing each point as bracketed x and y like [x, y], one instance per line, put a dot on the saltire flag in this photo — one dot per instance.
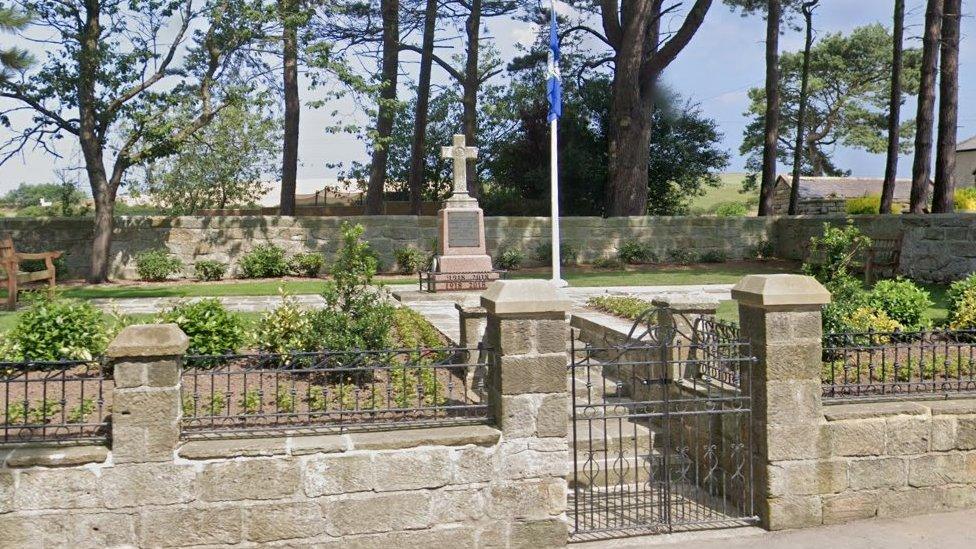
[554, 85]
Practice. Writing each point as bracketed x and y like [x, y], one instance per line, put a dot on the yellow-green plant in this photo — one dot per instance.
[622, 306]
[285, 400]
[80, 413]
[867, 205]
[965, 199]
[250, 403]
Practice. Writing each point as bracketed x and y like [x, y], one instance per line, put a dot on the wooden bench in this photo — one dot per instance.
[11, 260]
[881, 259]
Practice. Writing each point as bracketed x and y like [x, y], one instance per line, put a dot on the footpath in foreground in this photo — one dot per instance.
[940, 531]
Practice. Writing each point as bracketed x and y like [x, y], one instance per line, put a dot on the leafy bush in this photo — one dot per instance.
[869, 319]
[212, 329]
[867, 205]
[763, 250]
[714, 256]
[55, 328]
[511, 259]
[962, 304]
[836, 254]
[903, 301]
[308, 264]
[209, 270]
[635, 252]
[609, 263]
[411, 260]
[355, 315]
[965, 199]
[285, 328]
[732, 209]
[623, 306]
[264, 261]
[682, 256]
[411, 329]
[157, 265]
[568, 253]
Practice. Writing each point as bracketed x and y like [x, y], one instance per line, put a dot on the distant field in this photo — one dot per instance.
[728, 192]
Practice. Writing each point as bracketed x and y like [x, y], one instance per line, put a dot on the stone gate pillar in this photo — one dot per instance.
[780, 315]
[527, 390]
[146, 410]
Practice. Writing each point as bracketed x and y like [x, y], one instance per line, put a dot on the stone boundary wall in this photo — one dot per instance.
[226, 238]
[497, 485]
[935, 247]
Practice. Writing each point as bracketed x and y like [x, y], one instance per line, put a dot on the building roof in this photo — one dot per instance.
[846, 187]
[306, 190]
[967, 145]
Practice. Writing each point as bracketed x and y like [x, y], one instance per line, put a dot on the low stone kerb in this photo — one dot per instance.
[524, 297]
[145, 340]
[779, 290]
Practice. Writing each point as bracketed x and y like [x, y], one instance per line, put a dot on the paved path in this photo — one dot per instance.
[942, 531]
[439, 308]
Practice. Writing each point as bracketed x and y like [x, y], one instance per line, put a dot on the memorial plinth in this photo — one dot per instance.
[462, 261]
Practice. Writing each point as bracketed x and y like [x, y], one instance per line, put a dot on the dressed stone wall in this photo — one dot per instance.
[226, 238]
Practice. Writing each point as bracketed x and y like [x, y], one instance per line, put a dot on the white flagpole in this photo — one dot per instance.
[557, 278]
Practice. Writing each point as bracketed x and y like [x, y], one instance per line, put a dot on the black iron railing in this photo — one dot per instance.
[721, 350]
[66, 400]
[892, 365]
[331, 391]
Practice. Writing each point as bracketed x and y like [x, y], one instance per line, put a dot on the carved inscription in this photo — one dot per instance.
[463, 230]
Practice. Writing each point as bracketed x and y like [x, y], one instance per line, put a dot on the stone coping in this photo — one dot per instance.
[36, 455]
[299, 445]
[866, 410]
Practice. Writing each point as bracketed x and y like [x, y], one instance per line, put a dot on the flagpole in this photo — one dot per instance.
[557, 278]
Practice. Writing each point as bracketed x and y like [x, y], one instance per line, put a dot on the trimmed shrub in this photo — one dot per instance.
[308, 264]
[283, 329]
[869, 319]
[867, 205]
[212, 329]
[609, 263]
[836, 254]
[157, 265]
[682, 256]
[903, 301]
[411, 329]
[635, 252]
[264, 261]
[411, 260]
[209, 270]
[568, 253]
[714, 256]
[511, 259]
[965, 199]
[962, 304]
[623, 306]
[732, 209]
[55, 328]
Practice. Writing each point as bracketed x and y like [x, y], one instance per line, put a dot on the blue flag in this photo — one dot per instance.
[554, 84]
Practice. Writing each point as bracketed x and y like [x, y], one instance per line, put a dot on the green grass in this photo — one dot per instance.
[728, 191]
[666, 275]
[206, 289]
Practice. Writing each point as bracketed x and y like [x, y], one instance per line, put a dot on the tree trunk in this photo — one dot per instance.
[926, 107]
[469, 119]
[630, 137]
[387, 110]
[289, 155]
[894, 110]
[418, 145]
[945, 152]
[768, 181]
[802, 111]
[91, 146]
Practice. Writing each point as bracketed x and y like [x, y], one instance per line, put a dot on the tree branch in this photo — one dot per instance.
[669, 51]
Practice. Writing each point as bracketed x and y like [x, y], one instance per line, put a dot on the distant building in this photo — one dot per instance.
[314, 192]
[966, 163]
[829, 195]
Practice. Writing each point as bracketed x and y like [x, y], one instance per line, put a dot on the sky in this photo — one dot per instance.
[724, 60]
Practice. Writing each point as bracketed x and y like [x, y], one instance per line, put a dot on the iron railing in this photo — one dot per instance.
[720, 350]
[67, 400]
[331, 391]
[892, 365]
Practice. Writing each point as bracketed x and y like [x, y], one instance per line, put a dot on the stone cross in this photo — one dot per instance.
[460, 153]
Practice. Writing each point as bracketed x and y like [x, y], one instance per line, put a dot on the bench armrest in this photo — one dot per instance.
[42, 255]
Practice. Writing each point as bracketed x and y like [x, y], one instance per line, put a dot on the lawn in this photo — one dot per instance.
[728, 191]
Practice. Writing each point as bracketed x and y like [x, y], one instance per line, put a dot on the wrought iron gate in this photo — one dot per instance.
[662, 428]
